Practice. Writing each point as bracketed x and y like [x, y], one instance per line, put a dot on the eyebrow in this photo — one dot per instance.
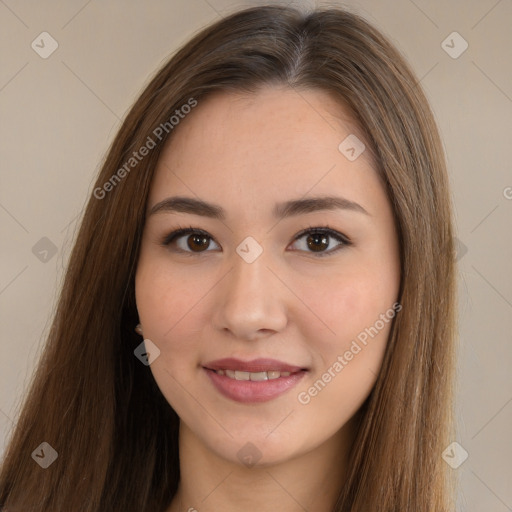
[281, 210]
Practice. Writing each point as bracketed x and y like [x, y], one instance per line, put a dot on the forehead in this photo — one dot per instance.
[273, 116]
[274, 142]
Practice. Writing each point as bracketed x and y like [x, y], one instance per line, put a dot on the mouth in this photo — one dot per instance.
[253, 376]
[258, 380]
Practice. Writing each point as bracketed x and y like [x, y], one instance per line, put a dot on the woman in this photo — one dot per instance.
[259, 308]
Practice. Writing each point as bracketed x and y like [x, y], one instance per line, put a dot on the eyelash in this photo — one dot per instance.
[340, 237]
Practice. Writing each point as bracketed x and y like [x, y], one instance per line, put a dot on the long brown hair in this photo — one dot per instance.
[94, 402]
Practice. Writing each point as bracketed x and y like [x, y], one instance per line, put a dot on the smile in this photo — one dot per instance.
[254, 376]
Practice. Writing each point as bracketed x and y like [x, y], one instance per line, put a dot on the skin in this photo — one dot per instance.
[245, 153]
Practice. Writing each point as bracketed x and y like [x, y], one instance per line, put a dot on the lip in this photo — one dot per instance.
[246, 391]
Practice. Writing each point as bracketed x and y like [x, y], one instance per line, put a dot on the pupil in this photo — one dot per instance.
[200, 240]
[318, 239]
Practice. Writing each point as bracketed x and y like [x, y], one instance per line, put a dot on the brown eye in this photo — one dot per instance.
[189, 241]
[323, 241]
[198, 243]
[317, 242]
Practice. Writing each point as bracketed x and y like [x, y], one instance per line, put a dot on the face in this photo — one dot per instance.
[268, 333]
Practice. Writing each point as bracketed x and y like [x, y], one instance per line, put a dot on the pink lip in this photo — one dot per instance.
[247, 391]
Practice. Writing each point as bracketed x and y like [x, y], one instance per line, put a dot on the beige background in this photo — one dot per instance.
[58, 116]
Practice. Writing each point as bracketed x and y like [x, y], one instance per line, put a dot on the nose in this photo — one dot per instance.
[251, 302]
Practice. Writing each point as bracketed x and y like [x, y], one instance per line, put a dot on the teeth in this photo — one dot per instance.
[259, 376]
[254, 376]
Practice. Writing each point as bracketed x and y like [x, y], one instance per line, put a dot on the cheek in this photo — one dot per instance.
[168, 309]
[346, 304]
[162, 296]
[347, 360]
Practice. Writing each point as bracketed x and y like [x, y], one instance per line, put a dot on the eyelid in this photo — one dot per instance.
[340, 237]
[324, 229]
